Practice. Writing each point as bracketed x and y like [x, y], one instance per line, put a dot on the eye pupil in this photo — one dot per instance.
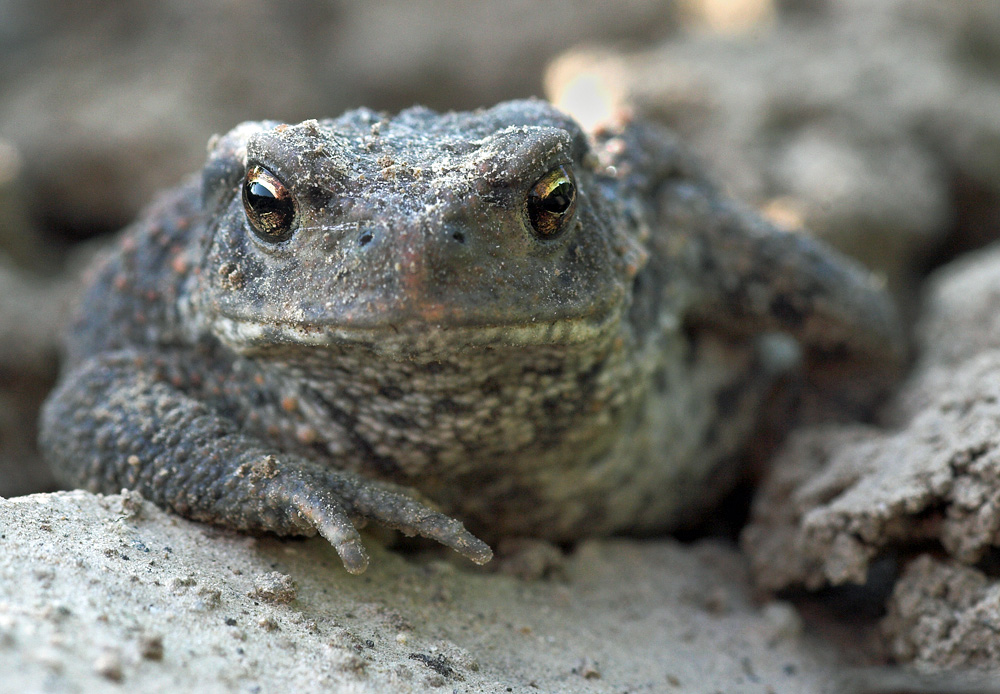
[269, 205]
[551, 201]
[559, 198]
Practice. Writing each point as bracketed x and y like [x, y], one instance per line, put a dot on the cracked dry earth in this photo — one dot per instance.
[924, 492]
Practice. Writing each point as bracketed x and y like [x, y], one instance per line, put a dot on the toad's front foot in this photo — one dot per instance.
[327, 500]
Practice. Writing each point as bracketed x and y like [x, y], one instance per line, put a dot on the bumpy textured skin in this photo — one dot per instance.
[413, 336]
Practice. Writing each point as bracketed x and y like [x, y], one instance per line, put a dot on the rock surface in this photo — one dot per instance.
[945, 615]
[95, 590]
[840, 497]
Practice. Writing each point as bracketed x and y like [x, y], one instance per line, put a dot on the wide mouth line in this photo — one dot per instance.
[387, 336]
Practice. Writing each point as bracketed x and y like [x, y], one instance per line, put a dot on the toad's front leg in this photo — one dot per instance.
[118, 422]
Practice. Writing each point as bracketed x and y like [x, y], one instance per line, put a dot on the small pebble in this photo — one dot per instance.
[151, 647]
[588, 669]
[109, 666]
[274, 587]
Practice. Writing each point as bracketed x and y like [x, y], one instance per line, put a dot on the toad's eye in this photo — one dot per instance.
[269, 205]
[551, 202]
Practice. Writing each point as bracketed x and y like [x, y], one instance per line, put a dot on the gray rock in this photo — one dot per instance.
[840, 497]
[96, 589]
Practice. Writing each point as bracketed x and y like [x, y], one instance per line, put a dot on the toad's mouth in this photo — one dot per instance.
[411, 337]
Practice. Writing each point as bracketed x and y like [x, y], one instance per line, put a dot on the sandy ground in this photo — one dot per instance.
[102, 590]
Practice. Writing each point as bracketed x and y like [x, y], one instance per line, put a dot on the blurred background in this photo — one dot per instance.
[873, 123]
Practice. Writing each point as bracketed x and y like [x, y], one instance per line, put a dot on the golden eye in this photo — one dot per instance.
[269, 205]
[551, 202]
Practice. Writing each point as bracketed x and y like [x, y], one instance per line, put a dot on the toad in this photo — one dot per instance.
[427, 320]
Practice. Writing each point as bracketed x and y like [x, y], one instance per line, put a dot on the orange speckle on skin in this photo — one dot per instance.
[179, 264]
[306, 435]
[433, 312]
[289, 403]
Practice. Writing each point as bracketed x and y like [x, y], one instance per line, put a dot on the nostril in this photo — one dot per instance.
[365, 239]
[458, 236]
